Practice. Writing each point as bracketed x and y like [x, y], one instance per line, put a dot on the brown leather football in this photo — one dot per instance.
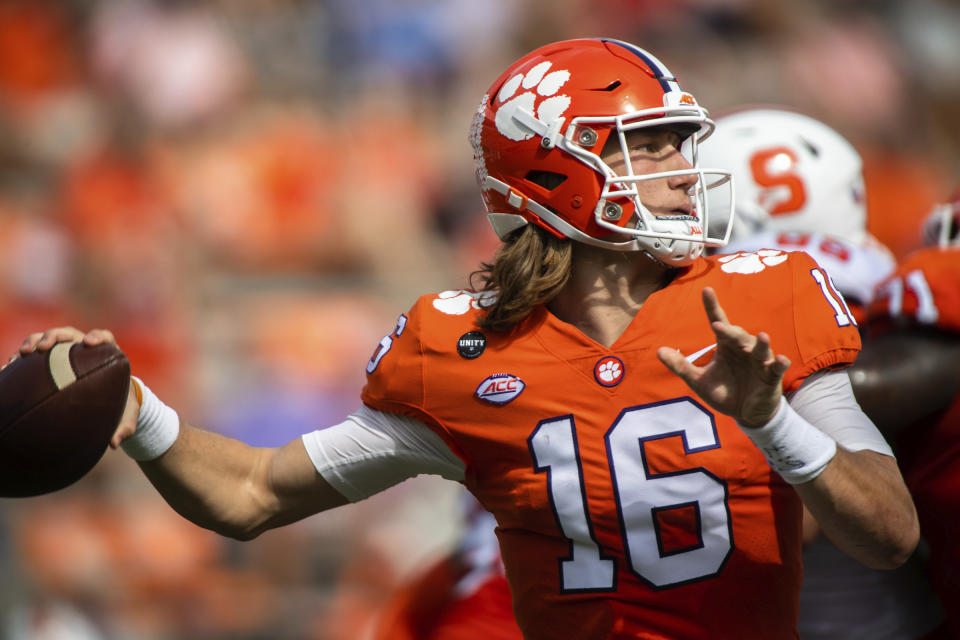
[58, 411]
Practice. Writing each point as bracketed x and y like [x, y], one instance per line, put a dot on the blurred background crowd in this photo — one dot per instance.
[249, 192]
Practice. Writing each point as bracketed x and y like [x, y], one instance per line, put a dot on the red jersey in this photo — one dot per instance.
[925, 291]
[464, 596]
[626, 507]
[430, 608]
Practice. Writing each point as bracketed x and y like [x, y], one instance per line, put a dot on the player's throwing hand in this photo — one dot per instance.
[45, 340]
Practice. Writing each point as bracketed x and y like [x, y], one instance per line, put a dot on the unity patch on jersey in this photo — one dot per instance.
[608, 371]
[471, 344]
[500, 388]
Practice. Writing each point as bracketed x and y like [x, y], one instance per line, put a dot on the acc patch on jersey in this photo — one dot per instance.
[500, 388]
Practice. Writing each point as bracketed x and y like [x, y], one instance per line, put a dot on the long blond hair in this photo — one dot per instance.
[529, 269]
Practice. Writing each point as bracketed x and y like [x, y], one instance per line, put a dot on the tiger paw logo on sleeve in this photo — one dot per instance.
[457, 303]
[754, 262]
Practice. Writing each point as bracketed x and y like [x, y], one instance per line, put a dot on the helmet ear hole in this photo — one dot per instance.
[545, 179]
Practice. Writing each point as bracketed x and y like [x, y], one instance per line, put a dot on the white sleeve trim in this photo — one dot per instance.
[826, 400]
[373, 450]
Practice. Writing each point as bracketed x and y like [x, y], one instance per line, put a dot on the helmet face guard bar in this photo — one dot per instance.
[649, 225]
[646, 224]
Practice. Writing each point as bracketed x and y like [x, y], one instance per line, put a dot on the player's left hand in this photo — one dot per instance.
[744, 378]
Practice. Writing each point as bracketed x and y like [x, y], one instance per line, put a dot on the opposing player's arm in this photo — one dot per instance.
[858, 497]
[905, 375]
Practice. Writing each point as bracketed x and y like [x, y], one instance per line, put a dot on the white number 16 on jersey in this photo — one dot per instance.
[640, 496]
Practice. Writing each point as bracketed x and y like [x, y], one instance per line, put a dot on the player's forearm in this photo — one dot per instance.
[217, 482]
[863, 506]
[237, 490]
[214, 481]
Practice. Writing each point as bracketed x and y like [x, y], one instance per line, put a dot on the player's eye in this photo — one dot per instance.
[647, 147]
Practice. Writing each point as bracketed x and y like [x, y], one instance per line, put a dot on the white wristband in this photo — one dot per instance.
[795, 449]
[157, 426]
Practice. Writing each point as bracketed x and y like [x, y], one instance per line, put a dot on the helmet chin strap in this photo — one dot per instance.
[523, 203]
[504, 223]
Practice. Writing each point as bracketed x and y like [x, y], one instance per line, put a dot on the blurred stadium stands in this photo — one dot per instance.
[248, 193]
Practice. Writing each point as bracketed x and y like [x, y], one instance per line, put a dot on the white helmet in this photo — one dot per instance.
[793, 173]
[942, 226]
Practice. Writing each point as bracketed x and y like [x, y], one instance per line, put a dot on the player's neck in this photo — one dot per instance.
[606, 290]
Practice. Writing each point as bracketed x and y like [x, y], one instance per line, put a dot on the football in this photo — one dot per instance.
[58, 411]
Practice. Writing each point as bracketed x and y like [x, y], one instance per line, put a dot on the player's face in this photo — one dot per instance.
[650, 151]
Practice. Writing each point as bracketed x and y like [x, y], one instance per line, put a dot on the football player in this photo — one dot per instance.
[800, 188]
[617, 401]
[907, 378]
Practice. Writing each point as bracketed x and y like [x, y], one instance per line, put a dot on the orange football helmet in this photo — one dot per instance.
[539, 131]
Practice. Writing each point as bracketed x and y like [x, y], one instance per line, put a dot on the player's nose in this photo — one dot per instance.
[683, 181]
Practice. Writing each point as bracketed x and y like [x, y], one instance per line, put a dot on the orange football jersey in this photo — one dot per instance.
[626, 508]
[925, 291]
[855, 267]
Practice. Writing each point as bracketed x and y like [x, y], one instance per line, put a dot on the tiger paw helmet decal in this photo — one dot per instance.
[536, 82]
